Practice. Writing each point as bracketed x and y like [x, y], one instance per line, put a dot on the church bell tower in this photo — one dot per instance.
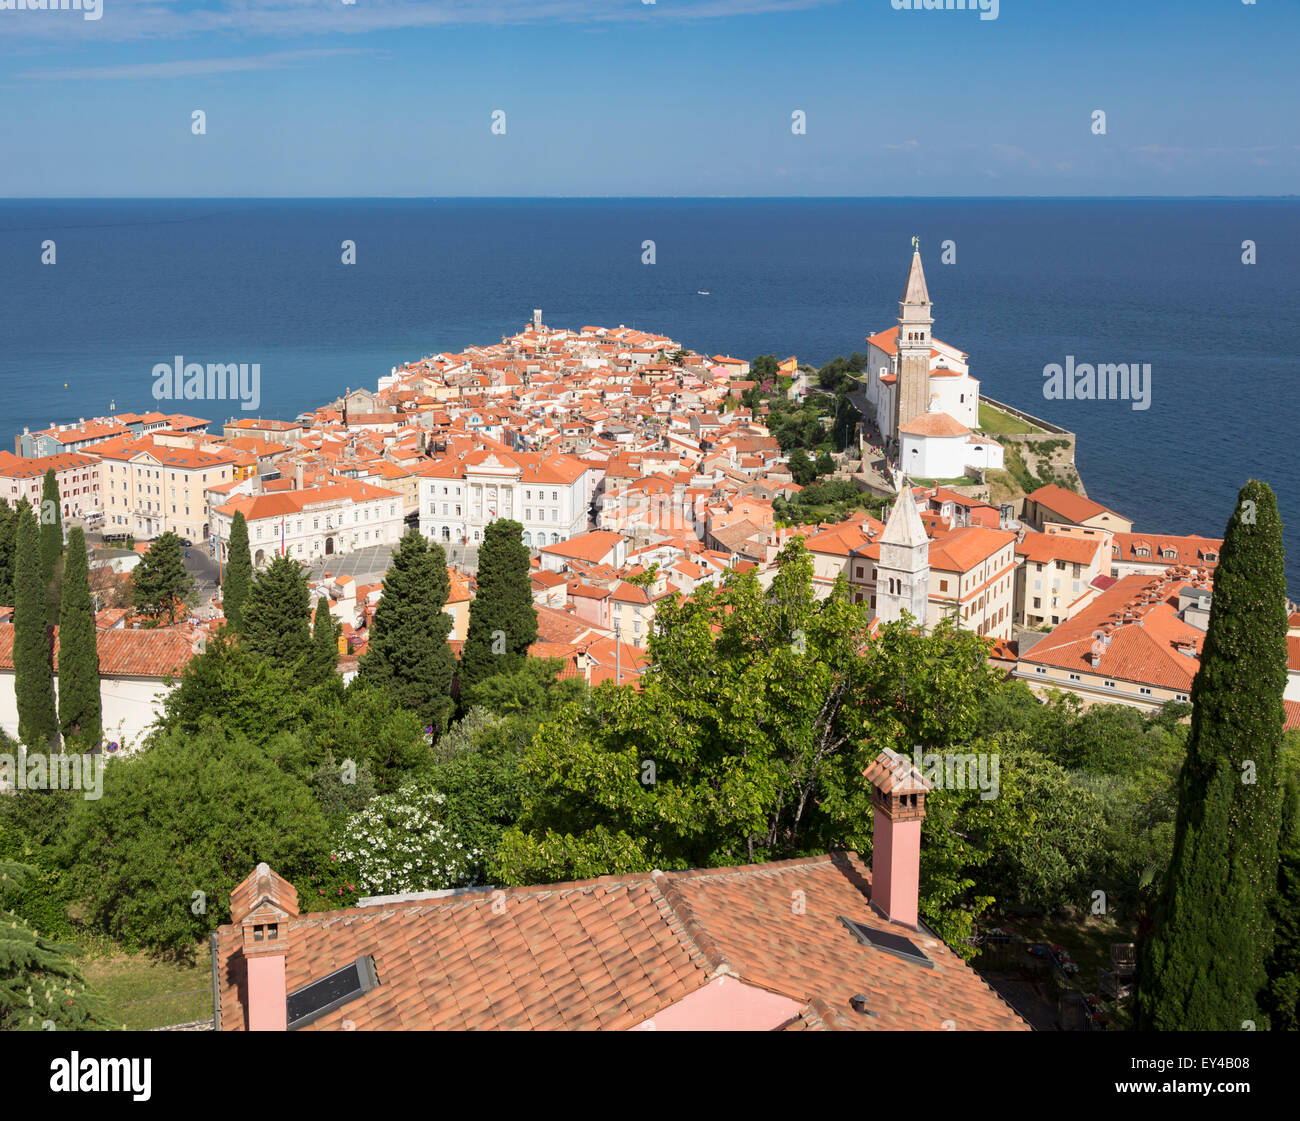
[912, 360]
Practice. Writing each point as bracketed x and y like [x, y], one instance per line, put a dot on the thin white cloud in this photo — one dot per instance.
[167, 19]
[189, 67]
[905, 145]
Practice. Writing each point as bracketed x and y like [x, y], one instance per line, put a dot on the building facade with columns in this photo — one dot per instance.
[549, 495]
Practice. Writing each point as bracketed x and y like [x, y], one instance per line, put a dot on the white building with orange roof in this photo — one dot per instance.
[338, 517]
[596, 547]
[461, 494]
[937, 446]
[910, 373]
[77, 474]
[1153, 553]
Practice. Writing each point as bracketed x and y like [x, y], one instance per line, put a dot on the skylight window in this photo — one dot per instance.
[322, 997]
[888, 943]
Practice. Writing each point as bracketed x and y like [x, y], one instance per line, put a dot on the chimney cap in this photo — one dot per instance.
[263, 896]
[894, 773]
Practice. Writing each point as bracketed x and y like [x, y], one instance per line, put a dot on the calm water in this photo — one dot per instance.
[1158, 281]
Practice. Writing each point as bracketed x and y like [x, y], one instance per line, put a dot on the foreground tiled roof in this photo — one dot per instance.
[614, 952]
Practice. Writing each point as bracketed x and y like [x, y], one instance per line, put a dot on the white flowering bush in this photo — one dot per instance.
[397, 844]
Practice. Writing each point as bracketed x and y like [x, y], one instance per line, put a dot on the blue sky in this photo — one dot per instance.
[625, 98]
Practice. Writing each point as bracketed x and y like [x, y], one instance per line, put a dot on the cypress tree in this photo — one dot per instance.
[1204, 968]
[161, 581]
[277, 614]
[408, 652]
[325, 640]
[1284, 970]
[8, 532]
[502, 618]
[79, 704]
[33, 672]
[51, 543]
[239, 573]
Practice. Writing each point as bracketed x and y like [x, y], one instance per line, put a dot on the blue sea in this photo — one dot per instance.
[138, 282]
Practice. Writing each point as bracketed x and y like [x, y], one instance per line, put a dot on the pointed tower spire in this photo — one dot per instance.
[903, 571]
[916, 292]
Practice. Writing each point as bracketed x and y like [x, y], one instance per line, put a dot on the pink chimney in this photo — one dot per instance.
[262, 907]
[898, 792]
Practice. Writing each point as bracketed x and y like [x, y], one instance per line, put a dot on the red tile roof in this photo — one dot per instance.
[1143, 648]
[1073, 507]
[123, 651]
[613, 952]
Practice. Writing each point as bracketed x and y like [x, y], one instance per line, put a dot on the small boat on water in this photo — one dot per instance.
[701, 293]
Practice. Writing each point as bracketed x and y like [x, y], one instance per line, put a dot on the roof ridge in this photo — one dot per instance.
[691, 931]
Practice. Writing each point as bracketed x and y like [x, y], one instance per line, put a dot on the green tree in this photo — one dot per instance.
[79, 701]
[8, 541]
[40, 987]
[239, 573]
[502, 618]
[801, 467]
[325, 641]
[191, 814]
[51, 516]
[38, 723]
[277, 616]
[824, 463]
[1284, 969]
[747, 740]
[408, 653]
[228, 687]
[1204, 969]
[161, 583]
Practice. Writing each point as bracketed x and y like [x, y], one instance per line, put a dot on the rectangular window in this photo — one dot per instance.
[1075, 677]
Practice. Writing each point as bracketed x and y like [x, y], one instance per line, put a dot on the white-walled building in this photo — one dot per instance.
[549, 495]
[77, 474]
[137, 669]
[930, 375]
[313, 522]
[935, 446]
